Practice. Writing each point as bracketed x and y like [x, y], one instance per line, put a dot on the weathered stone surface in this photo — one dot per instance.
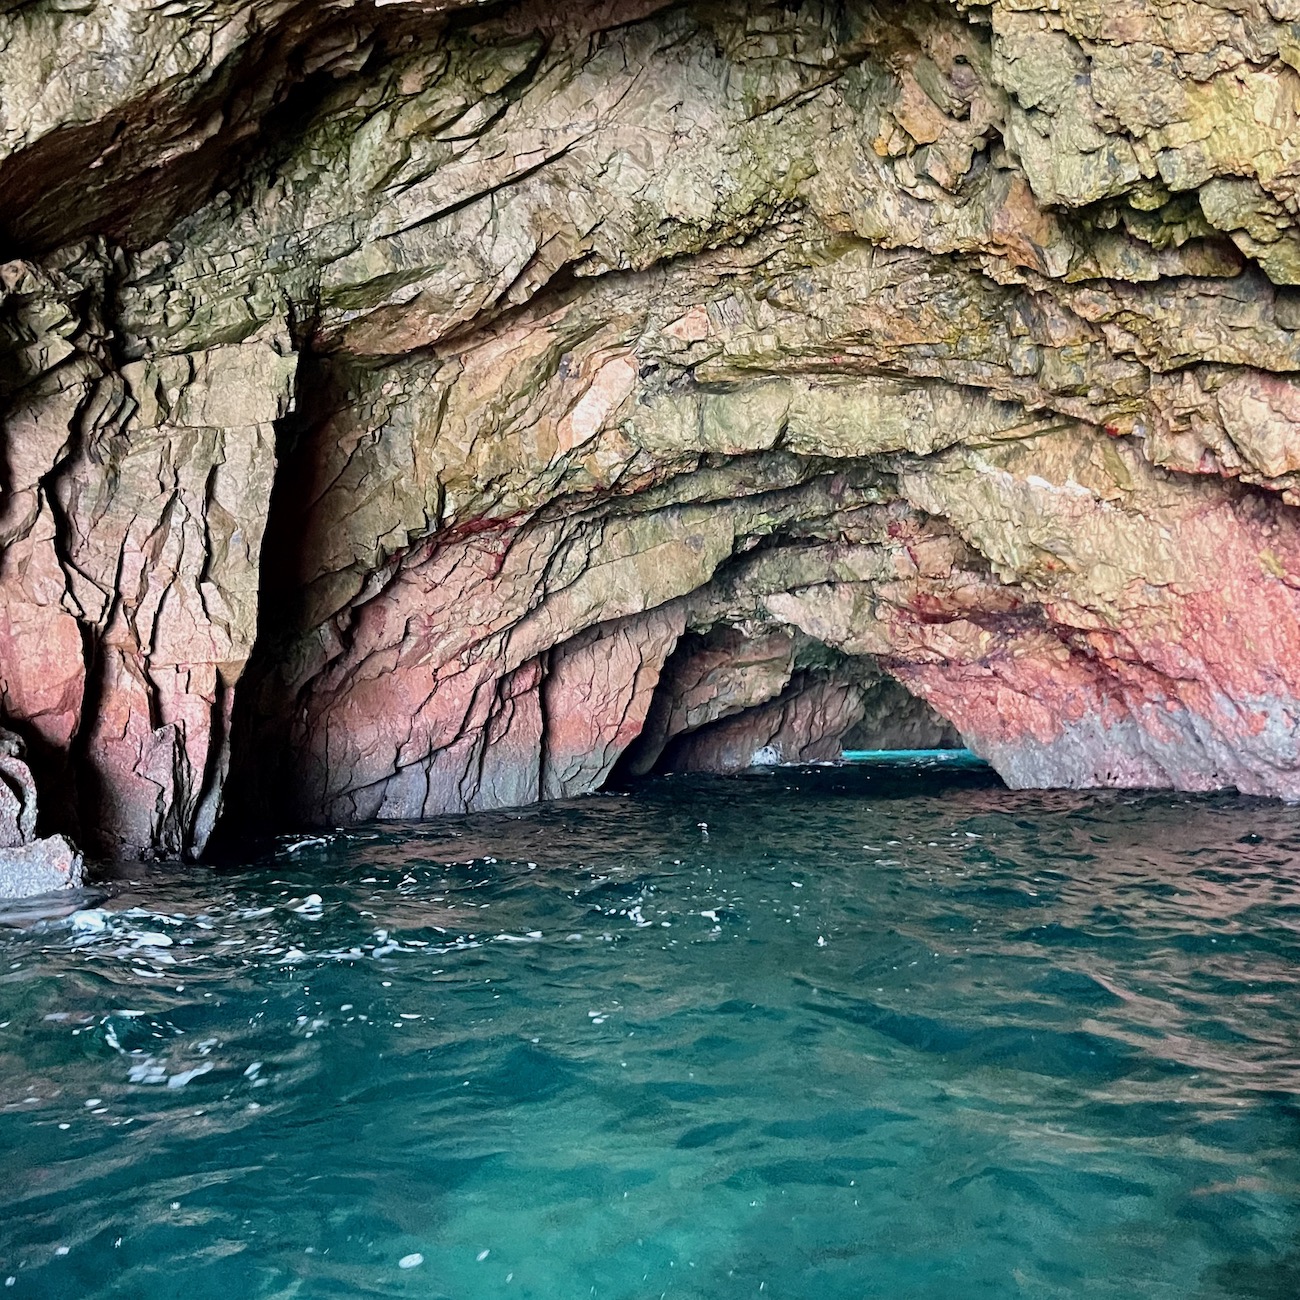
[425, 406]
[17, 794]
[710, 678]
[40, 867]
[139, 496]
[28, 865]
[803, 725]
[744, 695]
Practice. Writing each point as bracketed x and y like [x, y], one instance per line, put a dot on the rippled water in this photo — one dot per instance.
[862, 1035]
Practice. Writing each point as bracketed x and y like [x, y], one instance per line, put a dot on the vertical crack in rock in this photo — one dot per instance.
[138, 500]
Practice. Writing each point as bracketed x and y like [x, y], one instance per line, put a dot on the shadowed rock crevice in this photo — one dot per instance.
[402, 401]
[739, 696]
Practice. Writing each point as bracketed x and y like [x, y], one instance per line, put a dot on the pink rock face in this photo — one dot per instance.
[130, 579]
[42, 661]
[597, 693]
[1190, 681]
[446, 700]
[17, 794]
[1120, 657]
[709, 680]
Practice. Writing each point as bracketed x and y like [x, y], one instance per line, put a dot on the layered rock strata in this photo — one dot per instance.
[424, 406]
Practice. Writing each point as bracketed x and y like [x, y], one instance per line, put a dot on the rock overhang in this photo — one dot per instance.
[471, 392]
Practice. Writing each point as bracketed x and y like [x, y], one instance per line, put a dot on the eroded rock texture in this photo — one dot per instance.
[28, 865]
[422, 406]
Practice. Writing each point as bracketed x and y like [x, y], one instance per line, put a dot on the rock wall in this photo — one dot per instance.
[420, 406]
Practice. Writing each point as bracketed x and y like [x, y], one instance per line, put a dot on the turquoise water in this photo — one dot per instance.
[819, 1034]
[913, 758]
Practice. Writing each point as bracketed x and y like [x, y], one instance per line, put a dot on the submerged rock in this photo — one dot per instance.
[420, 407]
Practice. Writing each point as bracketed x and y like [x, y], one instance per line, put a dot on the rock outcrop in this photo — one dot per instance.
[28, 865]
[422, 405]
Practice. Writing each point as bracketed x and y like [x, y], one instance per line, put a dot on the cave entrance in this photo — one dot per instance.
[735, 697]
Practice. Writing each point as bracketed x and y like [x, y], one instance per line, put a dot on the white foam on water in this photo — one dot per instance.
[152, 939]
[186, 1076]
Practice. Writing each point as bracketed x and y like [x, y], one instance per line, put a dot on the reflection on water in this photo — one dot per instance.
[832, 1033]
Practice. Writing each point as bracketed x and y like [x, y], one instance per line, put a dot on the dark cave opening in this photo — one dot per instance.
[736, 696]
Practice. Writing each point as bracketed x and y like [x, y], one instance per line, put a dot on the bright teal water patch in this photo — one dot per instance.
[914, 757]
[864, 1034]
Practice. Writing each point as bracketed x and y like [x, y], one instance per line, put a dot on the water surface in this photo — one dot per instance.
[831, 1033]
